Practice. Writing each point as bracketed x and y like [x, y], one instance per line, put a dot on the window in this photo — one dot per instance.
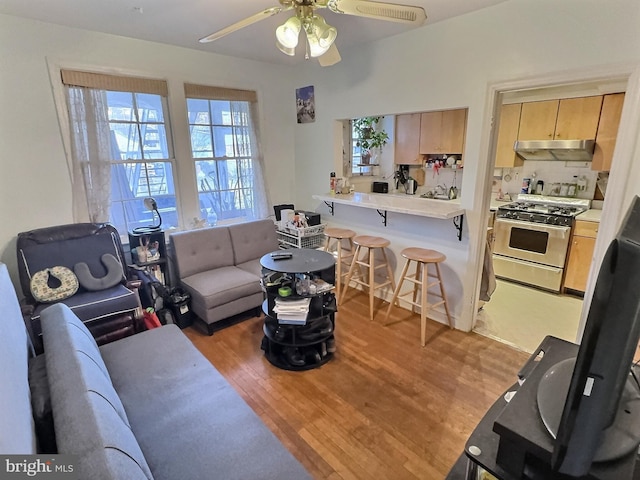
[364, 140]
[142, 161]
[358, 166]
[122, 150]
[223, 147]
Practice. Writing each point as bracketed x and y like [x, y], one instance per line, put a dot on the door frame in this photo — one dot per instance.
[621, 188]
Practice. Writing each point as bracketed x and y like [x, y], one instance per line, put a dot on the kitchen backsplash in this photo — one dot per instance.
[445, 177]
[510, 180]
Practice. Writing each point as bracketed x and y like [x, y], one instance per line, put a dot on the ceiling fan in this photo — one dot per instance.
[320, 35]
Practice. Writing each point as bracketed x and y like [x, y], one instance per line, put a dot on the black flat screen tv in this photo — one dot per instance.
[599, 420]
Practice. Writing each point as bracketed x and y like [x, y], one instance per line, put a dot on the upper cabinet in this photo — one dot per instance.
[565, 119]
[443, 131]
[407, 139]
[507, 136]
[538, 120]
[583, 118]
[607, 131]
[578, 118]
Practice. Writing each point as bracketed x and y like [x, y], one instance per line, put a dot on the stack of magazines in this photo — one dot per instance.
[292, 312]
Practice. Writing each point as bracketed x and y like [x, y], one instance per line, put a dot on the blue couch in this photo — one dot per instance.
[148, 406]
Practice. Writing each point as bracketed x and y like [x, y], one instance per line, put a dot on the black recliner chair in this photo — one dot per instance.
[109, 313]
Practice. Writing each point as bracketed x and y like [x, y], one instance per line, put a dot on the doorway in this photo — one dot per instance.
[520, 315]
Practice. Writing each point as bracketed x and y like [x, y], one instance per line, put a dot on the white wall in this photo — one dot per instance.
[445, 65]
[448, 65]
[34, 179]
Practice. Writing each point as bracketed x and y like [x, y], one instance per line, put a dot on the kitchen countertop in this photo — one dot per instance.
[591, 215]
[407, 204]
[495, 203]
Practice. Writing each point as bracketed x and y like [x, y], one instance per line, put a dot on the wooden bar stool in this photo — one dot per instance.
[372, 244]
[423, 258]
[336, 236]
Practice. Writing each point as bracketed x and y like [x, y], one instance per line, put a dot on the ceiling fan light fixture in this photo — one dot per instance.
[326, 33]
[320, 36]
[287, 33]
[286, 50]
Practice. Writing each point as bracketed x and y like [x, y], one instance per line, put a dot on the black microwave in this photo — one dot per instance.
[380, 187]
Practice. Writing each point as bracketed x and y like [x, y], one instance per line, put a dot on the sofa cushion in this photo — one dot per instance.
[214, 433]
[90, 306]
[252, 240]
[222, 285]
[228, 310]
[201, 250]
[15, 405]
[89, 417]
[252, 266]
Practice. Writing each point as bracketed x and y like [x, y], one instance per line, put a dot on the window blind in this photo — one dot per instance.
[115, 83]
[219, 93]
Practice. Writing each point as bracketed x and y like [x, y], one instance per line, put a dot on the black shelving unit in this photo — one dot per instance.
[148, 238]
[299, 346]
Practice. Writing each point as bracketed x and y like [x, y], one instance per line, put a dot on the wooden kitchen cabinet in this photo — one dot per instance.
[407, 140]
[578, 118]
[538, 120]
[507, 135]
[564, 119]
[607, 131]
[580, 255]
[443, 131]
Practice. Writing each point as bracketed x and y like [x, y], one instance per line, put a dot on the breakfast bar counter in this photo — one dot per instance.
[406, 204]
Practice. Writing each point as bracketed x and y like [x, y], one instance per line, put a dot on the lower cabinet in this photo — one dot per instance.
[580, 255]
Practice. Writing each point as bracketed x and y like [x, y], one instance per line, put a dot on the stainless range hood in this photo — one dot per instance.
[564, 150]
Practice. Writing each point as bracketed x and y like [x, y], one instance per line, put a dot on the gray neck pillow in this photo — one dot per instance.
[91, 283]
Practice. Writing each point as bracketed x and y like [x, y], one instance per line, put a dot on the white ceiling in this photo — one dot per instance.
[183, 22]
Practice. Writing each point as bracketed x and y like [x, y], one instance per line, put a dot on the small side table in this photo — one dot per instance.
[307, 342]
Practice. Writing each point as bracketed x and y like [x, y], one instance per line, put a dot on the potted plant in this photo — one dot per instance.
[369, 137]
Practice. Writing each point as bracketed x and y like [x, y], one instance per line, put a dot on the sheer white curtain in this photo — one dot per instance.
[247, 111]
[90, 152]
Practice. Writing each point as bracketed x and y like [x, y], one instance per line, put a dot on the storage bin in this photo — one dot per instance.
[307, 237]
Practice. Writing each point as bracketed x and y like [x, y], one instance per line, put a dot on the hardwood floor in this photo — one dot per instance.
[384, 407]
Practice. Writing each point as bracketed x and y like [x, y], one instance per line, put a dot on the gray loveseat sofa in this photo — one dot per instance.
[146, 406]
[220, 267]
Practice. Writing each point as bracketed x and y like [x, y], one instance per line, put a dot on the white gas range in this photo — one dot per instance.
[532, 238]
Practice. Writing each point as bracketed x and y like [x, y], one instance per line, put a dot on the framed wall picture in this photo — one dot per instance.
[305, 104]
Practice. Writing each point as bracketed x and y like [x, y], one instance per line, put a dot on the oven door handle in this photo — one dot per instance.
[531, 225]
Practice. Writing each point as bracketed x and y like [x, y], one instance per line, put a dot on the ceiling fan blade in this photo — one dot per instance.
[331, 57]
[379, 10]
[269, 12]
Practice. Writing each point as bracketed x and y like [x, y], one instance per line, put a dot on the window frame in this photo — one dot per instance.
[220, 203]
[351, 166]
[106, 84]
[146, 164]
